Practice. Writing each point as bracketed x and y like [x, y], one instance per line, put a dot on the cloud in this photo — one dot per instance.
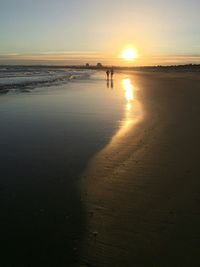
[92, 57]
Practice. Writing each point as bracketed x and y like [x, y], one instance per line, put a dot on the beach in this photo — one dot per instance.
[142, 190]
[102, 173]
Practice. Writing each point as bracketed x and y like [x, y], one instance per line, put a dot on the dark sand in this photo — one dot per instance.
[142, 191]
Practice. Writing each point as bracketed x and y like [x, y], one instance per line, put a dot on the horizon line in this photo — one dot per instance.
[103, 65]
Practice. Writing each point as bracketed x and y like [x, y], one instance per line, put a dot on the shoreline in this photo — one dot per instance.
[141, 193]
[112, 172]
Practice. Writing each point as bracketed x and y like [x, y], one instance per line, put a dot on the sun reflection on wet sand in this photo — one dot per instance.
[103, 171]
[132, 110]
[129, 89]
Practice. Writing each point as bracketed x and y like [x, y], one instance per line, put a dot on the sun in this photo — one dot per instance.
[129, 54]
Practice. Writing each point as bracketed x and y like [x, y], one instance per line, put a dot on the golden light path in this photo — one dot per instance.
[117, 147]
[129, 90]
[106, 164]
[132, 113]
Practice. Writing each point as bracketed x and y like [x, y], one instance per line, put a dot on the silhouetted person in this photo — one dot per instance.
[111, 73]
[107, 73]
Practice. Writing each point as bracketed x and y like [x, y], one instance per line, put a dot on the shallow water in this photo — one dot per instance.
[24, 78]
[47, 138]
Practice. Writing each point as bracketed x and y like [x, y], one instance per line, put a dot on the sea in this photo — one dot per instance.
[24, 78]
[53, 121]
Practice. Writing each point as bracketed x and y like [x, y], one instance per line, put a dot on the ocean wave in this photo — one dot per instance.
[22, 78]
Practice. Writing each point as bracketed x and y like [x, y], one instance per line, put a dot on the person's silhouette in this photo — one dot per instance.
[107, 73]
[111, 73]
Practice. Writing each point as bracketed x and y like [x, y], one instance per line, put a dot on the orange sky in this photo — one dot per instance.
[80, 31]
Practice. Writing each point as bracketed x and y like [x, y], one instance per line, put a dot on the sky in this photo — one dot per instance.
[80, 31]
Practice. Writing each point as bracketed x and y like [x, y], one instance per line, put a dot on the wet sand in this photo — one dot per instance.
[47, 137]
[142, 191]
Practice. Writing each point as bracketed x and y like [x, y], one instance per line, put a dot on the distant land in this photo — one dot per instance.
[99, 66]
[187, 67]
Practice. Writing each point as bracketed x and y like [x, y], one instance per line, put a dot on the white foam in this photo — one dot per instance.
[32, 77]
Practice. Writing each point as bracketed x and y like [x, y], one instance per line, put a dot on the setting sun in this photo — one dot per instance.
[129, 54]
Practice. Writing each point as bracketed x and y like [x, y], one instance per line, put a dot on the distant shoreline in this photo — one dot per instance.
[159, 68]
